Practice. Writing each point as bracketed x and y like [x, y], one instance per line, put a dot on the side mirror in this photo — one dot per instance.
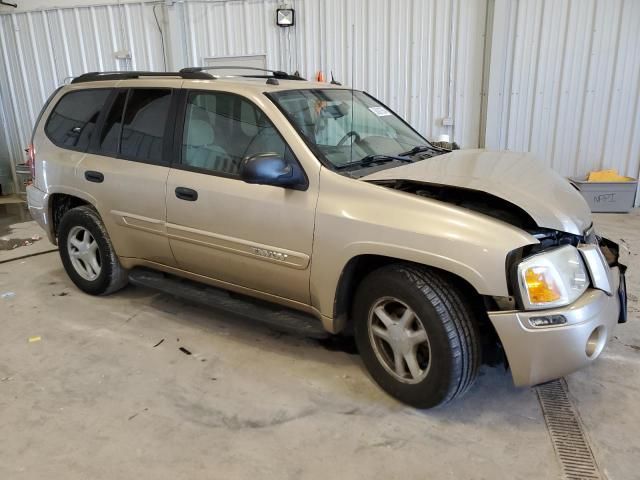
[272, 169]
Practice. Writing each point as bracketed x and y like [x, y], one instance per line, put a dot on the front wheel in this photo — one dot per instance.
[87, 253]
[416, 335]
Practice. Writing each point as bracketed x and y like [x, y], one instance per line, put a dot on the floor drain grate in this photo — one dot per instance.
[567, 436]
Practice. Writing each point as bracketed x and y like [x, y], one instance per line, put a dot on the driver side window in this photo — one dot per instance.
[221, 129]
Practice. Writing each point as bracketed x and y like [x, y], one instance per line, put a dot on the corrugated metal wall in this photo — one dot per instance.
[562, 80]
[39, 50]
[422, 58]
[565, 82]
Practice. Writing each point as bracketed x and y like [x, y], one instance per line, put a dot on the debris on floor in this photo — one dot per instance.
[34, 339]
[136, 414]
[7, 294]
[158, 343]
[185, 351]
[7, 243]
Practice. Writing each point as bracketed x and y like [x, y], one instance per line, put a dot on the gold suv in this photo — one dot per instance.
[321, 199]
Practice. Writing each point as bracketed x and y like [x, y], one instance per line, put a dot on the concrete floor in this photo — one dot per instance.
[95, 398]
[19, 235]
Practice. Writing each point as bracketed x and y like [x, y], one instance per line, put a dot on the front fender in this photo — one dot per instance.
[421, 256]
[358, 218]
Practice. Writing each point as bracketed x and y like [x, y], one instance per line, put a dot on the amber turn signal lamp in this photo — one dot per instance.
[540, 288]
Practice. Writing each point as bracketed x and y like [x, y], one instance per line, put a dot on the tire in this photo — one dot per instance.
[445, 364]
[77, 228]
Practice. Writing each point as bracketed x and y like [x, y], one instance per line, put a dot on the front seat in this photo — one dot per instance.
[264, 138]
[199, 149]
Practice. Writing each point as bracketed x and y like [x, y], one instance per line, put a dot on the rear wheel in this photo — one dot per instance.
[416, 335]
[87, 253]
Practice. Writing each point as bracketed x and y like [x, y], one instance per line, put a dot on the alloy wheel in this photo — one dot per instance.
[399, 340]
[84, 253]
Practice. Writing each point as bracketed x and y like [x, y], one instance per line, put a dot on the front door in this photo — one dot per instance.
[254, 236]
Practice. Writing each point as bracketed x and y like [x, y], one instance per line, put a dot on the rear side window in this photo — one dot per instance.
[73, 120]
[144, 123]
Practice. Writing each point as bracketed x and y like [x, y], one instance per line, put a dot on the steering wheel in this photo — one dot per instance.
[352, 133]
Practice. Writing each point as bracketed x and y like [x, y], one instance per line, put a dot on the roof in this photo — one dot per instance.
[262, 83]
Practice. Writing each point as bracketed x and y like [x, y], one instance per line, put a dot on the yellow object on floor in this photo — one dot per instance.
[607, 176]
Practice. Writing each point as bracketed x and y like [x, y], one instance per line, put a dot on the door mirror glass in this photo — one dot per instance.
[272, 169]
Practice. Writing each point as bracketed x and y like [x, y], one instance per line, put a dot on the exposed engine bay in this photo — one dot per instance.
[475, 200]
[503, 210]
[495, 207]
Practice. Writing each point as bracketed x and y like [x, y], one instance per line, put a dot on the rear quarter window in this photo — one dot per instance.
[73, 120]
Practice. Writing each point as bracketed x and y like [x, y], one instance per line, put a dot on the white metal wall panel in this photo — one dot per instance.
[40, 49]
[234, 28]
[563, 76]
[564, 83]
[422, 58]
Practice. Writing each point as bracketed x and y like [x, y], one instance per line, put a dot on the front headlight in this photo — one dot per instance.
[554, 278]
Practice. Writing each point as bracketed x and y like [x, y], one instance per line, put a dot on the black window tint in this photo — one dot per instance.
[144, 123]
[74, 118]
[110, 134]
[221, 129]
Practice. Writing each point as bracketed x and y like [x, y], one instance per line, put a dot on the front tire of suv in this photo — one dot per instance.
[416, 335]
[87, 253]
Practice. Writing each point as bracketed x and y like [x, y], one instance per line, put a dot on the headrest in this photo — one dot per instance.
[199, 133]
[147, 120]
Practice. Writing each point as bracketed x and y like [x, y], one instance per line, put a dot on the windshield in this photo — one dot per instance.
[348, 127]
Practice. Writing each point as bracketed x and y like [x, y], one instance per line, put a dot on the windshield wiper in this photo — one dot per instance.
[369, 159]
[423, 148]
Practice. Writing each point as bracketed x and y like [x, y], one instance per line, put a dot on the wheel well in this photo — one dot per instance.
[359, 267]
[61, 203]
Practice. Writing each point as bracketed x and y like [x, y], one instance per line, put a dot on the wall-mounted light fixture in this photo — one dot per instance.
[285, 17]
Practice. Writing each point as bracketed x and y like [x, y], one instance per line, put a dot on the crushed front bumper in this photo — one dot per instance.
[540, 354]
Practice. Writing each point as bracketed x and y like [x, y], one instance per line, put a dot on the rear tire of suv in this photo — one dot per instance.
[87, 253]
[416, 335]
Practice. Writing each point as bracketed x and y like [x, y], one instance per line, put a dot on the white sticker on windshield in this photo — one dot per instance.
[380, 111]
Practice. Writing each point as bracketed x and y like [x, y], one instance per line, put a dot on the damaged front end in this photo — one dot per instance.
[514, 321]
[601, 256]
[546, 341]
[500, 209]
[474, 200]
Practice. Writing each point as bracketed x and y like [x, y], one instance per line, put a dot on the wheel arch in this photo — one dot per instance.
[359, 266]
[60, 202]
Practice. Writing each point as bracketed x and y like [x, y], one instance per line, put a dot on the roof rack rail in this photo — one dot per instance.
[125, 75]
[274, 73]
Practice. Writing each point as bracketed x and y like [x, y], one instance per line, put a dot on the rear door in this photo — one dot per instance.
[127, 166]
[254, 236]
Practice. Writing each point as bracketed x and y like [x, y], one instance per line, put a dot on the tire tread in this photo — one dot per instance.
[458, 321]
[456, 318]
